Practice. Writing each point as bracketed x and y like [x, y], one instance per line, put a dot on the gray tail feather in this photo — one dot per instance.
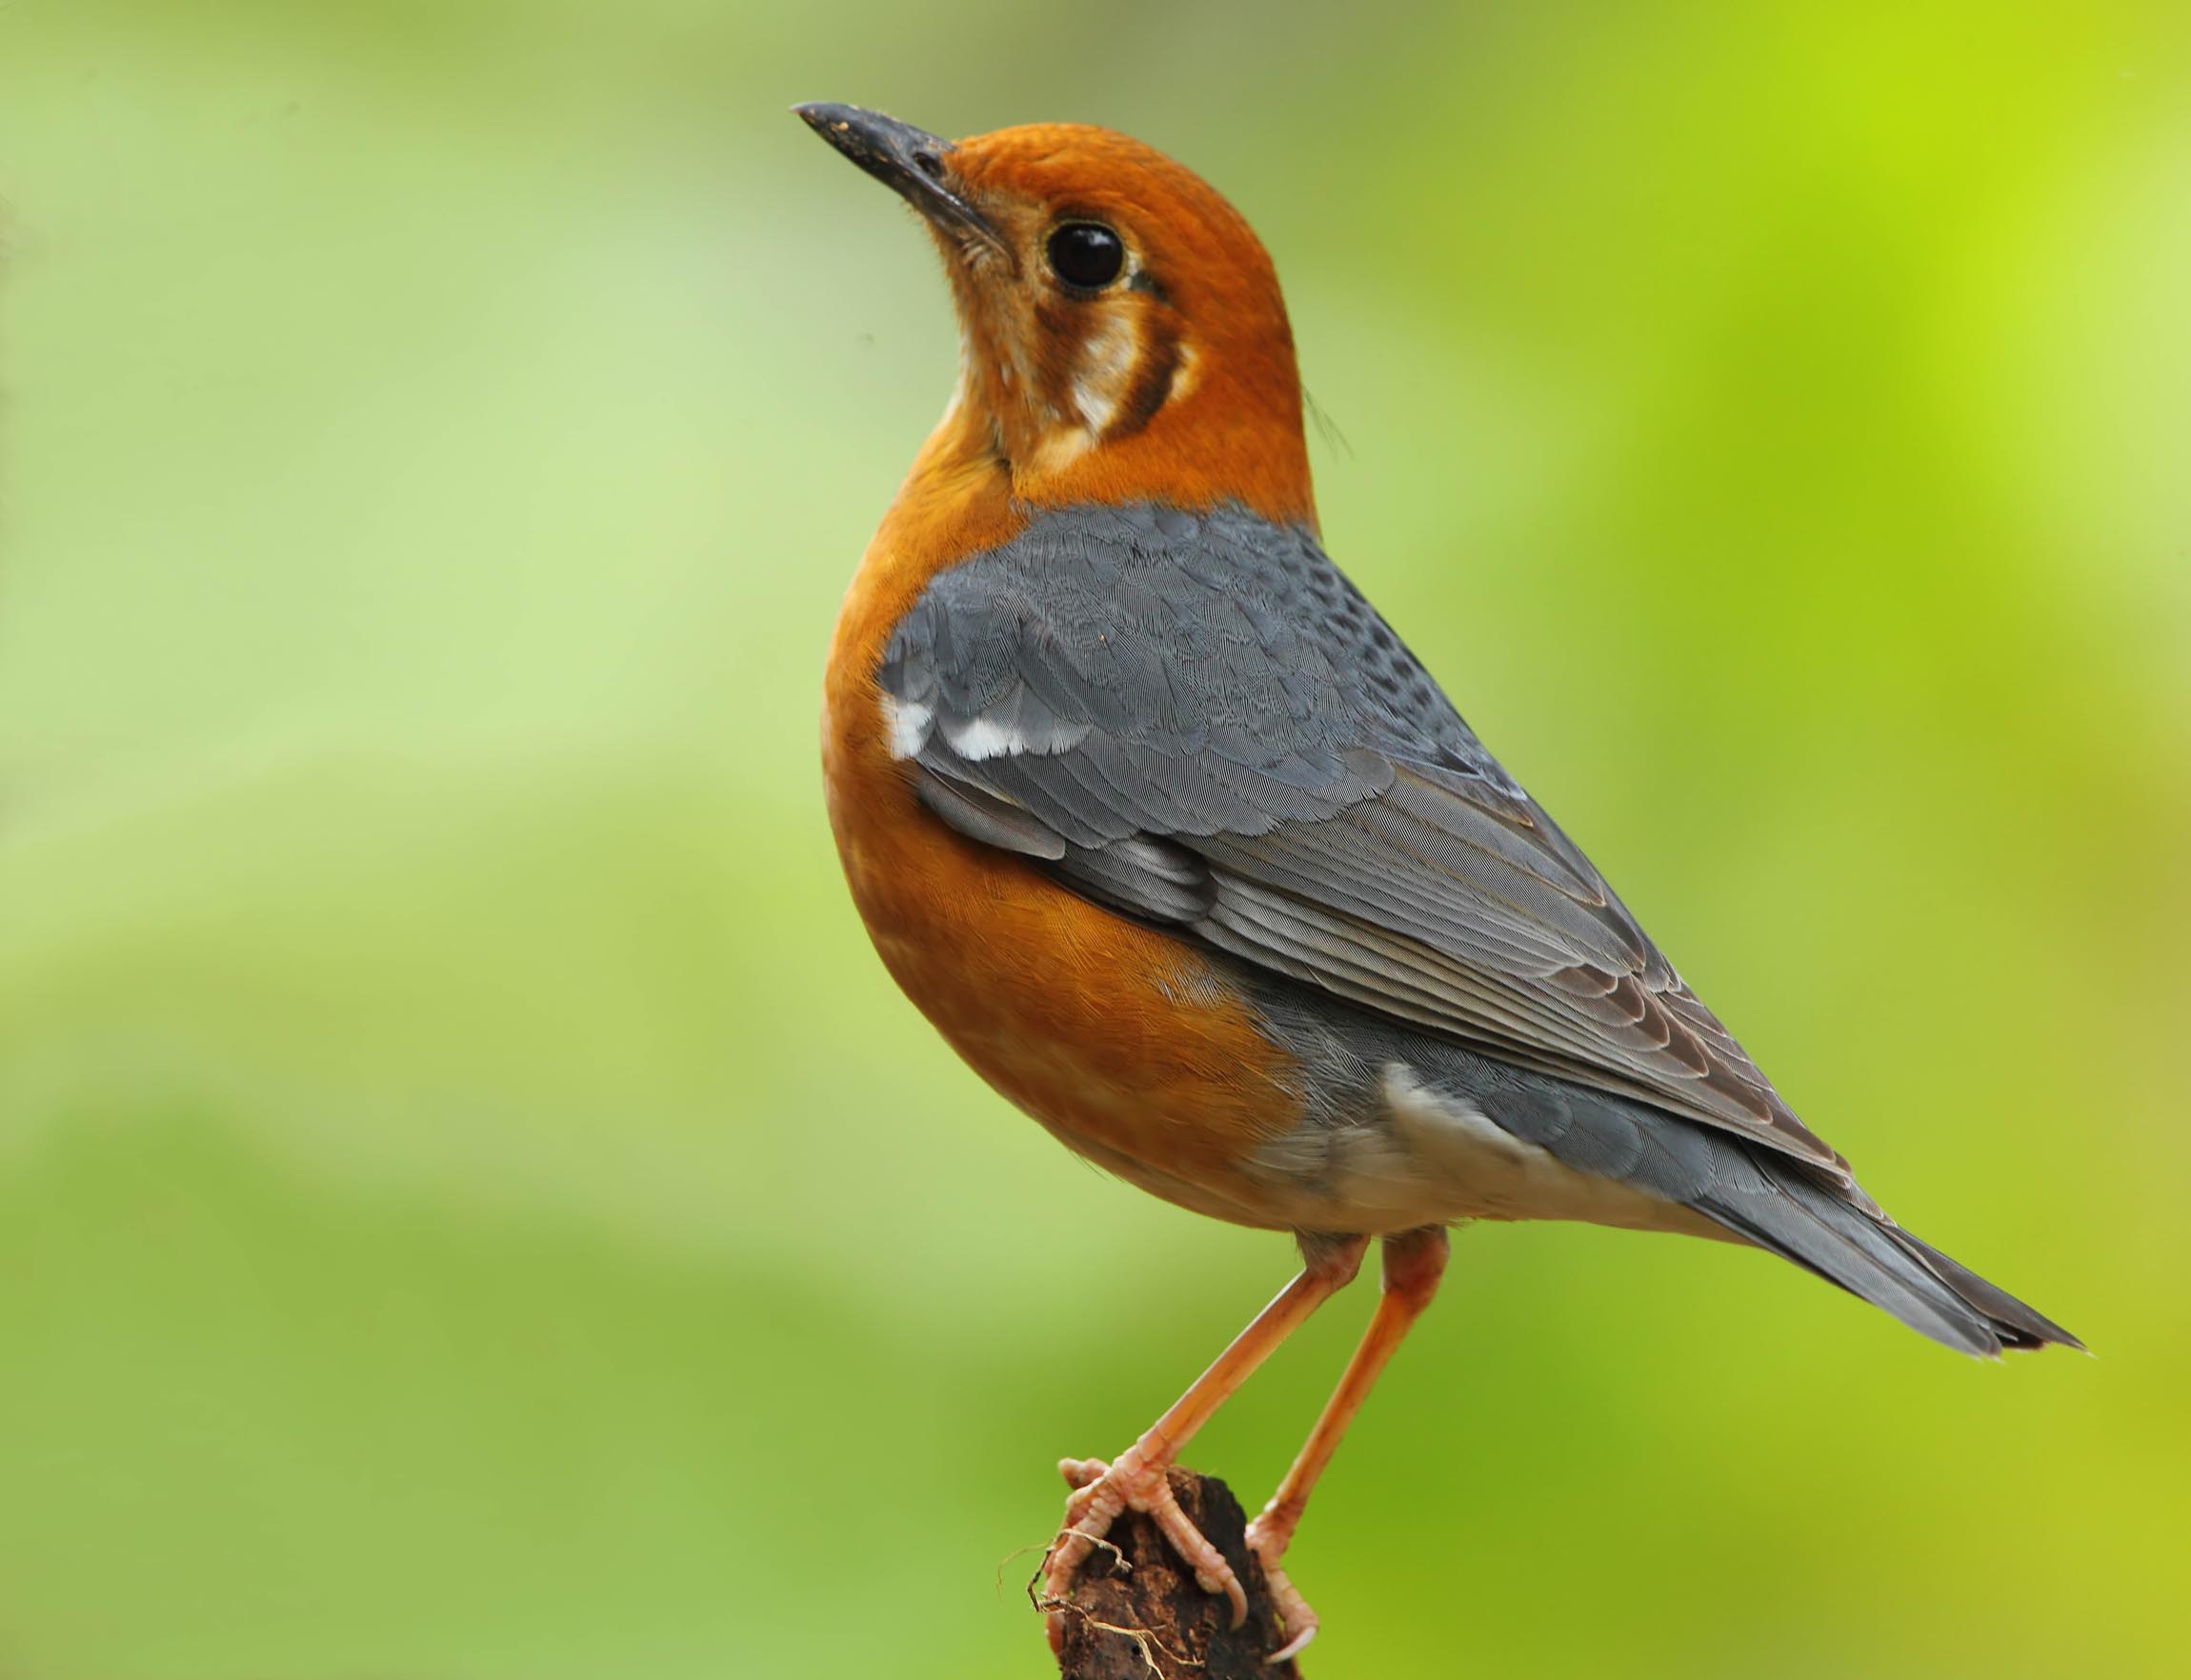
[1813, 1223]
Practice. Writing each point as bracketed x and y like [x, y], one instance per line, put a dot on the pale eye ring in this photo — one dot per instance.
[1086, 255]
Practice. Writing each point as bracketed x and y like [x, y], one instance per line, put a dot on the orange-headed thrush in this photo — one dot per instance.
[1174, 841]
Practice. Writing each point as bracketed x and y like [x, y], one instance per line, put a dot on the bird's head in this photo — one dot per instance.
[1123, 337]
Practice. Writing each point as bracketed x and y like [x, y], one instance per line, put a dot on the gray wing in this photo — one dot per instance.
[1197, 721]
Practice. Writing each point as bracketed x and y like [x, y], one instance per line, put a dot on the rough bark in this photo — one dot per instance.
[1150, 1621]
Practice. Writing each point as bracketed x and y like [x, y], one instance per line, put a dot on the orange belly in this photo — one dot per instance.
[1123, 1041]
[1126, 1043]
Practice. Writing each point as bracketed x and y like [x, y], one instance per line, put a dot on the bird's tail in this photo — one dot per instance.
[1846, 1242]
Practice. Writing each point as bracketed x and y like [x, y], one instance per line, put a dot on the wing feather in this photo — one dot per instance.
[1199, 721]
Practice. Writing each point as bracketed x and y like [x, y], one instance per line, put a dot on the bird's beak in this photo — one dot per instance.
[907, 160]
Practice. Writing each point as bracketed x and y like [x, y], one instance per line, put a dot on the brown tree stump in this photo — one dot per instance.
[1137, 1612]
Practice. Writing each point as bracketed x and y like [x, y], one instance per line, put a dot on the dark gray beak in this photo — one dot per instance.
[907, 160]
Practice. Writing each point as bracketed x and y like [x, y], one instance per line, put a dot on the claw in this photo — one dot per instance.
[1101, 1492]
[1299, 1622]
[1138, 1479]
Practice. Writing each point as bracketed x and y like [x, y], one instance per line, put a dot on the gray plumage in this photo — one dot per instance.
[1196, 720]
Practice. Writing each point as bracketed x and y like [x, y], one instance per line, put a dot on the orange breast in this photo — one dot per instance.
[1126, 1042]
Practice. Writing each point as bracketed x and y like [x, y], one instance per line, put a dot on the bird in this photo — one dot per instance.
[1184, 852]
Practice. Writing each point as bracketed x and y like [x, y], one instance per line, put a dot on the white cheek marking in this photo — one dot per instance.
[906, 722]
[1182, 374]
[1106, 369]
[1059, 450]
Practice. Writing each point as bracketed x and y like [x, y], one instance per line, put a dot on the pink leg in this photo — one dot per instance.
[1414, 1262]
[1135, 1479]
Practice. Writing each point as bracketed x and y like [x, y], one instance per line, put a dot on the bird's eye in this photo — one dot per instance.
[1086, 254]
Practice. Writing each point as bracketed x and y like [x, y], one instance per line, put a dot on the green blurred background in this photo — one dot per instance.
[472, 1206]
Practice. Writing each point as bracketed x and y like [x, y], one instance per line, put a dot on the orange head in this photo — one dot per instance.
[1123, 337]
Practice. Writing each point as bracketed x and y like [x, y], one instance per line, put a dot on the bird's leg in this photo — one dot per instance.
[1136, 1480]
[1414, 1262]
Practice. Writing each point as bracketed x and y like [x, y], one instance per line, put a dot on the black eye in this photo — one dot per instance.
[1086, 254]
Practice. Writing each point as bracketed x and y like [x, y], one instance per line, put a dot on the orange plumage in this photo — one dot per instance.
[1115, 1036]
[1128, 1043]
[1175, 842]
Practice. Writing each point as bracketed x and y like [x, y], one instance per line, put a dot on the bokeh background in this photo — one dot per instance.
[472, 1208]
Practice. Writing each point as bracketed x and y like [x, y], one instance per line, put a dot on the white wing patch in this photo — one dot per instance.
[981, 737]
[905, 725]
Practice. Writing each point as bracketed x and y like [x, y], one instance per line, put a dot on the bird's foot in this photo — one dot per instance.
[1268, 1538]
[1101, 1492]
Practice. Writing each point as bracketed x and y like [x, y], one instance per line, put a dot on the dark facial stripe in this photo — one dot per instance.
[1153, 376]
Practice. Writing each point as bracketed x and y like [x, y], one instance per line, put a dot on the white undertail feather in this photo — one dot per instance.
[1431, 1157]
